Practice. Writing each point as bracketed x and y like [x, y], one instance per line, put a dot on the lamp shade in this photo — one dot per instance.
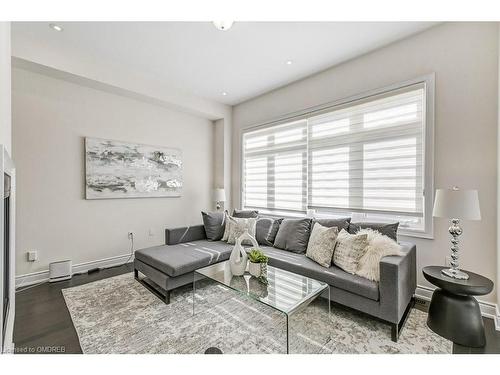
[457, 204]
[219, 195]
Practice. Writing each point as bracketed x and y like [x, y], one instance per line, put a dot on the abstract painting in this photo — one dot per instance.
[127, 170]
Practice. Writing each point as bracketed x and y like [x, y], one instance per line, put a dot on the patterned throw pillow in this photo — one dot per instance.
[349, 250]
[321, 244]
[238, 226]
[225, 236]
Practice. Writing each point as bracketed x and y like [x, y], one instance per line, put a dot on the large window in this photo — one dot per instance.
[365, 158]
[275, 167]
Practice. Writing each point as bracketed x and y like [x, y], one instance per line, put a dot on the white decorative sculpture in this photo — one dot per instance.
[238, 259]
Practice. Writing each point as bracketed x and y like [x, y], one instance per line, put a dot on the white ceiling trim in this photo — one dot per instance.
[211, 113]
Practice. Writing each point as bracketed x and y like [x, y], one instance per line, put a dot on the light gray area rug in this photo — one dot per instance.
[119, 315]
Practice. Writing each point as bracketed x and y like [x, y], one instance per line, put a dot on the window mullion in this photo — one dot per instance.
[271, 183]
[355, 169]
[305, 172]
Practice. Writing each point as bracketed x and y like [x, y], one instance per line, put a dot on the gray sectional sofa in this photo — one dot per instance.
[186, 249]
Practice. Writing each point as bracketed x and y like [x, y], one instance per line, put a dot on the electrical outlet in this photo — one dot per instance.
[32, 255]
[420, 301]
[151, 233]
[130, 235]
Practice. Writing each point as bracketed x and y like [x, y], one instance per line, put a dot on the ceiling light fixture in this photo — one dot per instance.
[289, 62]
[55, 27]
[223, 25]
[224, 93]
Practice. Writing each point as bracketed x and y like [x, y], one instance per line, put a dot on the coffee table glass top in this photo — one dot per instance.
[286, 291]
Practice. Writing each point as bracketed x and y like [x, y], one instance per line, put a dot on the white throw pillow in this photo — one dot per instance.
[322, 244]
[238, 226]
[378, 247]
[348, 250]
[227, 227]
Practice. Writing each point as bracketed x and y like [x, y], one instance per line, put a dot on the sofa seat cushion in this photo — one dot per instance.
[176, 260]
[333, 275]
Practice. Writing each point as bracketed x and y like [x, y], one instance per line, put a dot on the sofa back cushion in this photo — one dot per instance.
[245, 214]
[266, 230]
[214, 224]
[340, 223]
[293, 235]
[387, 229]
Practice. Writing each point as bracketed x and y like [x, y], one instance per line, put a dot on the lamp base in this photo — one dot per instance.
[455, 274]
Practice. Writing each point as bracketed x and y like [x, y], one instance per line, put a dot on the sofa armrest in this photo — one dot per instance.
[398, 281]
[174, 236]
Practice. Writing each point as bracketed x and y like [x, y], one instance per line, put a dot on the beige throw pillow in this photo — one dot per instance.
[225, 236]
[378, 247]
[238, 227]
[321, 244]
[348, 250]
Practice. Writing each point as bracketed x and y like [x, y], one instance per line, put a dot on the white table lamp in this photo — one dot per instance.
[219, 197]
[456, 204]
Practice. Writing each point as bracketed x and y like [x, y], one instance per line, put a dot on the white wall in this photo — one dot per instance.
[5, 86]
[498, 181]
[51, 117]
[464, 58]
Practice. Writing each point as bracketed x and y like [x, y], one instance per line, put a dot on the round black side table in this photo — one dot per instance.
[453, 312]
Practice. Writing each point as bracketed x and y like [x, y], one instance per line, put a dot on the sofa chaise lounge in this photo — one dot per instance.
[187, 249]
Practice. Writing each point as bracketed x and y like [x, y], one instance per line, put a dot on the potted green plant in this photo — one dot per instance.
[256, 258]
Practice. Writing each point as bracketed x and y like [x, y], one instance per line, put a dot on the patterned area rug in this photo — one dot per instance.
[119, 315]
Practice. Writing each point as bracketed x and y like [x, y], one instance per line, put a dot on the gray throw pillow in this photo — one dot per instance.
[266, 230]
[214, 225]
[293, 235]
[245, 214]
[387, 229]
[321, 244]
[340, 223]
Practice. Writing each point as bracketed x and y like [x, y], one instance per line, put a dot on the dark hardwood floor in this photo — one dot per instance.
[43, 323]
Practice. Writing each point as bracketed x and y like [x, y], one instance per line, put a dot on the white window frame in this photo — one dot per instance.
[429, 83]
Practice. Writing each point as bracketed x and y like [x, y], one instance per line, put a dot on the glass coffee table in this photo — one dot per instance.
[286, 292]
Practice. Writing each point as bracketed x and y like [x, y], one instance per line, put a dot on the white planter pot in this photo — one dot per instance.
[254, 269]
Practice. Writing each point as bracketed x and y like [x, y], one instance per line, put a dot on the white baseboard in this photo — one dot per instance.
[9, 348]
[42, 276]
[497, 320]
[488, 309]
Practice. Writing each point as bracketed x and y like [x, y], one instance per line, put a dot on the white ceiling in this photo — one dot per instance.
[195, 57]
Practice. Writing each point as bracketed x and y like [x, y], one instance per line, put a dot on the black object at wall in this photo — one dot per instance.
[454, 313]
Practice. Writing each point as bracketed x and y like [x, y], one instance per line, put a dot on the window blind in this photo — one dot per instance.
[368, 155]
[275, 167]
[365, 156]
